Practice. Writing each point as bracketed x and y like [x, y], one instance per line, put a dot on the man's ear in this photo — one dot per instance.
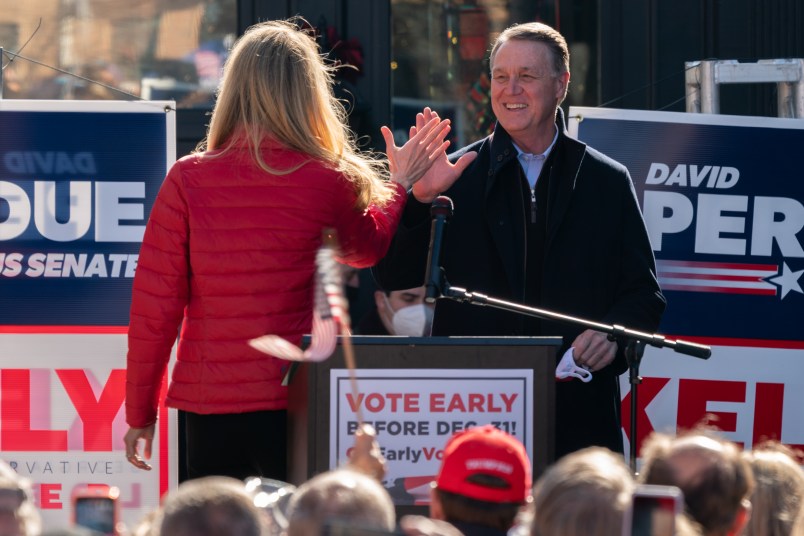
[741, 519]
[562, 85]
[436, 511]
[379, 301]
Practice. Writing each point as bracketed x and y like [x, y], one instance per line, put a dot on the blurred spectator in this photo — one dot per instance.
[70, 531]
[272, 498]
[798, 528]
[483, 482]
[18, 514]
[585, 493]
[210, 506]
[778, 490]
[147, 525]
[366, 456]
[398, 312]
[343, 498]
[413, 525]
[711, 472]
[685, 526]
[100, 79]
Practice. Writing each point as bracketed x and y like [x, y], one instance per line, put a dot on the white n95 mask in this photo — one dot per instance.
[413, 320]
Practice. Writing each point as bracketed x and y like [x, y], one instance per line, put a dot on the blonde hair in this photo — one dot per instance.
[778, 493]
[276, 85]
[586, 493]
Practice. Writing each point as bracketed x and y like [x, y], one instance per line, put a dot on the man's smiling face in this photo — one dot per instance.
[525, 91]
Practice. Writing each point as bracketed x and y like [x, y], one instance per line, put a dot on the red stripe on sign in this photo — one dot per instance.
[714, 277]
[719, 265]
[748, 343]
[724, 290]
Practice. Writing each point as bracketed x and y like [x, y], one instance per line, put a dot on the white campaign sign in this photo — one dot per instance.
[753, 394]
[63, 421]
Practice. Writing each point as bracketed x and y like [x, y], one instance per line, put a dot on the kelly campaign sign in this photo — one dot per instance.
[416, 411]
[62, 423]
[723, 201]
[77, 183]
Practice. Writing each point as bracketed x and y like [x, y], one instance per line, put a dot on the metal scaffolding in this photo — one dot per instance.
[703, 78]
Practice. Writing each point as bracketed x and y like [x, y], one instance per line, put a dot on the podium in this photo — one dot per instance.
[416, 392]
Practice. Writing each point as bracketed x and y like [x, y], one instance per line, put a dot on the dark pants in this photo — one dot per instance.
[239, 445]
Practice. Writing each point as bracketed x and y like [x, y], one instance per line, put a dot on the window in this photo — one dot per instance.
[440, 56]
[117, 49]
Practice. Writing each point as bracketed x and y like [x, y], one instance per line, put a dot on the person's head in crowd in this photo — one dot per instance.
[18, 514]
[76, 530]
[272, 498]
[210, 506]
[713, 475]
[686, 526]
[147, 525]
[778, 495]
[342, 497]
[484, 479]
[798, 526]
[403, 312]
[585, 493]
[416, 525]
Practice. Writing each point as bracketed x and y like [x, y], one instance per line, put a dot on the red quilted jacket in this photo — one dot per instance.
[229, 255]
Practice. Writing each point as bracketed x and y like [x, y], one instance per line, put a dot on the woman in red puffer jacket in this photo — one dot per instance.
[229, 250]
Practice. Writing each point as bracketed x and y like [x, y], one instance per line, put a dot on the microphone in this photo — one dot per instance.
[441, 212]
[695, 350]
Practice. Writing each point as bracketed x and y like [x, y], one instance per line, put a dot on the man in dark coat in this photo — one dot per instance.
[540, 219]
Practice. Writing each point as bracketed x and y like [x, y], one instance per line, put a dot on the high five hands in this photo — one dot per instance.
[442, 173]
[422, 161]
[409, 162]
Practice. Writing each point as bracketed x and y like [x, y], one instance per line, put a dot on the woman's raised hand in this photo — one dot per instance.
[425, 146]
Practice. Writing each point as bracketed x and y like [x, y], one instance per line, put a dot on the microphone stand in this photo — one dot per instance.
[632, 341]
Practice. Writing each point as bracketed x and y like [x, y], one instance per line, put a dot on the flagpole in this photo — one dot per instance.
[330, 239]
[349, 357]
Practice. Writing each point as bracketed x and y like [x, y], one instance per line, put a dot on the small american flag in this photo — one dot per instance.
[330, 312]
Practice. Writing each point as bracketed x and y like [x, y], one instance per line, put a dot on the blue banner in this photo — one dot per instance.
[723, 199]
[77, 182]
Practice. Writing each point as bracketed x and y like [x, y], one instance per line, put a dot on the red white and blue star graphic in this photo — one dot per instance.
[729, 278]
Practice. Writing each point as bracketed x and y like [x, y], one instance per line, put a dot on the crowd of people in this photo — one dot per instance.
[484, 487]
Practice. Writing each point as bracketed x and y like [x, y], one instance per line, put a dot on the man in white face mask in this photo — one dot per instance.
[399, 312]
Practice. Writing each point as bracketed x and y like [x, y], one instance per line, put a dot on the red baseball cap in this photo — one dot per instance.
[485, 450]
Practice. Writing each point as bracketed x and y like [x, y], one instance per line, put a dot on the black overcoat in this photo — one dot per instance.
[598, 264]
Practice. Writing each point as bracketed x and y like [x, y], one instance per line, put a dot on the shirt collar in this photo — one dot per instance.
[546, 152]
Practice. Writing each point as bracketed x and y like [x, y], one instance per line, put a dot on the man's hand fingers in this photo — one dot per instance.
[464, 161]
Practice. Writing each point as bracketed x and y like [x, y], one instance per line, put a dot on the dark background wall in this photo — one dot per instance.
[644, 44]
[641, 47]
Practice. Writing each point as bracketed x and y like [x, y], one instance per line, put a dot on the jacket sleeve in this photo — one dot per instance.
[405, 263]
[160, 293]
[364, 236]
[639, 302]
